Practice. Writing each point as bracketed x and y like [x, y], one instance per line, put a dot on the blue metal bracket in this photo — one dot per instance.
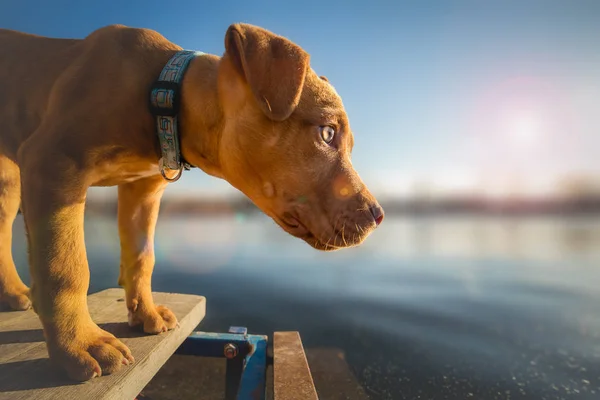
[246, 359]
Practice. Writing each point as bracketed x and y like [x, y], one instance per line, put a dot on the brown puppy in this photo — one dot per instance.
[75, 114]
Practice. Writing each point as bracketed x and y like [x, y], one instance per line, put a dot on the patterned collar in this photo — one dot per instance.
[165, 101]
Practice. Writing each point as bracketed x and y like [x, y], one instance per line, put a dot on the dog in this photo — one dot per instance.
[75, 113]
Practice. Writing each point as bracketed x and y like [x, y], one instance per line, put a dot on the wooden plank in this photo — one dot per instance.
[26, 371]
[291, 376]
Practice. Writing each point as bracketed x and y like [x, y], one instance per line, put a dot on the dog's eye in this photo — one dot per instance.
[327, 133]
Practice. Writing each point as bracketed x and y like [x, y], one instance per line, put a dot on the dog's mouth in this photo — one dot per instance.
[295, 227]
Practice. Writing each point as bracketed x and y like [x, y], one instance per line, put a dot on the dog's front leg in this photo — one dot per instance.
[139, 202]
[53, 196]
[12, 289]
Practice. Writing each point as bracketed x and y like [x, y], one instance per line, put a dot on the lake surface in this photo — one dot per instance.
[450, 307]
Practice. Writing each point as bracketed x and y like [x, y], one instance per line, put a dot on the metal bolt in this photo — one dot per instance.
[230, 350]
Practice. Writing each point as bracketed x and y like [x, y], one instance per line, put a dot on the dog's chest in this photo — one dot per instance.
[111, 174]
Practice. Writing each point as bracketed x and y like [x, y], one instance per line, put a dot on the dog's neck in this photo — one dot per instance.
[201, 117]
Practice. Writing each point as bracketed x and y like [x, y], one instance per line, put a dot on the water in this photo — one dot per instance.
[429, 307]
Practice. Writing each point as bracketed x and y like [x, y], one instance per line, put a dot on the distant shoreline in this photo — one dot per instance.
[473, 206]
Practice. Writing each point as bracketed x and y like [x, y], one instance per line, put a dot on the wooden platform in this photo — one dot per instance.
[26, 371]
[292, 379]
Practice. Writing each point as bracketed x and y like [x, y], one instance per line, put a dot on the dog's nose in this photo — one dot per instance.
[377, 213]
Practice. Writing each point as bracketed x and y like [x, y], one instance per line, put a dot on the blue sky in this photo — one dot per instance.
[458, 93]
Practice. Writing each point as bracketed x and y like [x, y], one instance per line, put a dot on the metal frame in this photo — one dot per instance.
[246, 359]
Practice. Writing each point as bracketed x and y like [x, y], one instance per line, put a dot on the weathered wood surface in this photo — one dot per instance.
[291, 376]
[26, 371]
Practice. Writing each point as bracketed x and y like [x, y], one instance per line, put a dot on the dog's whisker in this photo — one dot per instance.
[336, 232]
[358, 229]
[343, 238]
[268, 104]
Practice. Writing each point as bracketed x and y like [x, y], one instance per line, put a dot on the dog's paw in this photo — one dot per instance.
[93, 352]
[17, 300]
[155, 320]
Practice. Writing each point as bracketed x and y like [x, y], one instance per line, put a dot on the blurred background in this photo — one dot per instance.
[476, 126]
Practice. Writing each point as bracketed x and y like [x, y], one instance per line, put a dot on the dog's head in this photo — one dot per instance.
[286, 141]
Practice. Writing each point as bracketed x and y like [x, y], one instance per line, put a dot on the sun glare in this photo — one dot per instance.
[525, 130]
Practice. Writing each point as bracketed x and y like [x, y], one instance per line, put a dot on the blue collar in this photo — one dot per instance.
[165, 101]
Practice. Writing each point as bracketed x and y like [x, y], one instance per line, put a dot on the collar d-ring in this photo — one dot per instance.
[162, 168]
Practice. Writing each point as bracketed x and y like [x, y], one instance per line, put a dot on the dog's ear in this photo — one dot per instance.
[271, 65]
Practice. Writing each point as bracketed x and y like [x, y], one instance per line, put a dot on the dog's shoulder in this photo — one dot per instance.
[4, 33]
[121, 37]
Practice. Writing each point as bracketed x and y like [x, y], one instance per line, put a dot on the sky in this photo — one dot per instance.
[449, 95]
